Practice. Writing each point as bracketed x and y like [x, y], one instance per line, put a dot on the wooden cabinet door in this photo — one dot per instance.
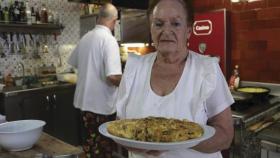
[38, 107]
[67, 120]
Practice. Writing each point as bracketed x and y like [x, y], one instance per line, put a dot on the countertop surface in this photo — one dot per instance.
[46, 145]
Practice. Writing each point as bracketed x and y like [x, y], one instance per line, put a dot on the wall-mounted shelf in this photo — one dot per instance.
[91, 1]
[136, 4]
[33, 29]
[88, 16]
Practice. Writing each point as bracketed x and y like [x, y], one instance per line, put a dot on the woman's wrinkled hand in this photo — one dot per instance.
[143, 151]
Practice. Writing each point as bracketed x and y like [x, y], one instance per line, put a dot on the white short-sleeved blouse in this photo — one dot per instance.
[201, 93]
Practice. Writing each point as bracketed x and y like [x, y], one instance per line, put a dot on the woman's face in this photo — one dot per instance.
[169, 27]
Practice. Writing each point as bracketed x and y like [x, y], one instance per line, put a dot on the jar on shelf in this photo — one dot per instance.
[235, 78]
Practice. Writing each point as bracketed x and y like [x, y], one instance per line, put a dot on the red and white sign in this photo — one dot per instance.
[209, 36]
[202, 27]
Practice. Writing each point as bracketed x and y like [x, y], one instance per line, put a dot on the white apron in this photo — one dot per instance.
[201, 79]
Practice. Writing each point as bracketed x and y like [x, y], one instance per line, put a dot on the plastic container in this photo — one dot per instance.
[1, 87]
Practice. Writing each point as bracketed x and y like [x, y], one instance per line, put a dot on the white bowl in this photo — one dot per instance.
[67, 77]
[2, 118]
[20, 135]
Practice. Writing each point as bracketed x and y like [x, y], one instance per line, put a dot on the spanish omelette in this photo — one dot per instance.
[155, 129]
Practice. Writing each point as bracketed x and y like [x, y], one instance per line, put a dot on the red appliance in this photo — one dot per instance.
[209, 37]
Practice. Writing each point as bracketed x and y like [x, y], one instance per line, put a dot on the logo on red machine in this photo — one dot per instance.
[202, 27]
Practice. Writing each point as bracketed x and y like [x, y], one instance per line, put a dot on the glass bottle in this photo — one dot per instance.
[8, 80]
[33, 15]
[44, 14]
[50, 17]
[28, 14]
[16, 11]
[22, 9]
[1, 12]
[11, 14]
[37, 14]
[86, 8]
[6, 14]
[56, 17]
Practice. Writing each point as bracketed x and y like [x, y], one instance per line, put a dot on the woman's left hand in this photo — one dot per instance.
[155, 152]
[143, 151]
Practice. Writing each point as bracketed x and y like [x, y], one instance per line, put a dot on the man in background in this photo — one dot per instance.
[97, 60]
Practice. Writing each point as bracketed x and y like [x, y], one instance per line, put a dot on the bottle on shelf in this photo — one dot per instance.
[44, 14]
[33, 15]
[37, 14]
[50, 16]
[56, 17]
[96, 9]
[1, 12]
[235, 78]
[6, 14]
[86, 8]
[28, 14]
[8, 80]
[11, 13]
[22, 12]
[82, 11]
[16, 11]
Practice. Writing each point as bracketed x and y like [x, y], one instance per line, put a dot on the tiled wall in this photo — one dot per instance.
[69, 16]
[255, 36]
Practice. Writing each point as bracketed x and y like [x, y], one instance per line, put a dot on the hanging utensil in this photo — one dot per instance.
[5, 45]
[22, 45]
[28, 45]
[10, 43]
[56, 50]
[2, 44]
[15, 46]
[45, 48]
[36, 43]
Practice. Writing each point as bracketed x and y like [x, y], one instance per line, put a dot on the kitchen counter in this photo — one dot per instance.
[46, 145]
[272, 133]
[10, 91]
[47, 103]
[270, 141]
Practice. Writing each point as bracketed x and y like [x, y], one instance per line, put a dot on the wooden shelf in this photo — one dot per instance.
[33, 29]
[88, 16]
[91, 1]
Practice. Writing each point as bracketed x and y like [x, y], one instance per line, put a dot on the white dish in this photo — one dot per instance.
[208, 132]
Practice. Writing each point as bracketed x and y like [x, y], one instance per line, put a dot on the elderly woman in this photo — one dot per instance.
[175, 82]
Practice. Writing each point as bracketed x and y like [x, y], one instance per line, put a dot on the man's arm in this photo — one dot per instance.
[114, 79]
[223, 124]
